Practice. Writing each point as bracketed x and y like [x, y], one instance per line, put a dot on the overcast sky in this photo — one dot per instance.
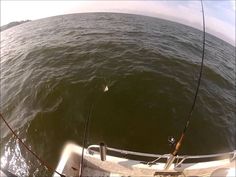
[220, 14]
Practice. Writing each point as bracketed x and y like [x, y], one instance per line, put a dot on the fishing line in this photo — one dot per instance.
[44, 163]
[179, 143]
[85, 138]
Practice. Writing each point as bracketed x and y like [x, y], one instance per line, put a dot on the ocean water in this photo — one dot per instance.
[54, 69]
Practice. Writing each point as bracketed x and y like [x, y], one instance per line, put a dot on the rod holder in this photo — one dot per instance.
[103, 151]
[169, 162]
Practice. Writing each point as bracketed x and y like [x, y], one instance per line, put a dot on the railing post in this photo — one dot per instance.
[103, 151]
[169, 162]
[234, 157]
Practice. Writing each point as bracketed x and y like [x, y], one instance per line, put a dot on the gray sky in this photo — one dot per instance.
[220, 15]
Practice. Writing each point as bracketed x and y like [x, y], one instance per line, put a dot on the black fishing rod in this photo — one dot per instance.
[86, 128]
[180, 141]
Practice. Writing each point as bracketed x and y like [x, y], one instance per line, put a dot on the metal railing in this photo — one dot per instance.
[178, 160]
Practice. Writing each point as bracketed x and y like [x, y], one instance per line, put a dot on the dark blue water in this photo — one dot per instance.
[53, 69]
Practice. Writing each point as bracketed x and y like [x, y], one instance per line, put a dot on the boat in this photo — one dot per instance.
[103, 161]
[100, 160]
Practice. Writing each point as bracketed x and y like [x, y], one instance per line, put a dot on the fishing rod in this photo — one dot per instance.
[180, 141]
[44, 163]
[86, 127]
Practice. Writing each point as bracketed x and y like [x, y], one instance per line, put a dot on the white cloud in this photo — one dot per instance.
[187, 12]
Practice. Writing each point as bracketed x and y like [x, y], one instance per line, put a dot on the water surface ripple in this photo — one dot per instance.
[53, 69]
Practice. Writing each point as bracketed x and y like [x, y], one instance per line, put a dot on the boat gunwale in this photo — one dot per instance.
[179, 158]
[72, 153]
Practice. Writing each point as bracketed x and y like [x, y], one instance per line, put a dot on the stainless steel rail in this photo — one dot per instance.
[179, 159]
